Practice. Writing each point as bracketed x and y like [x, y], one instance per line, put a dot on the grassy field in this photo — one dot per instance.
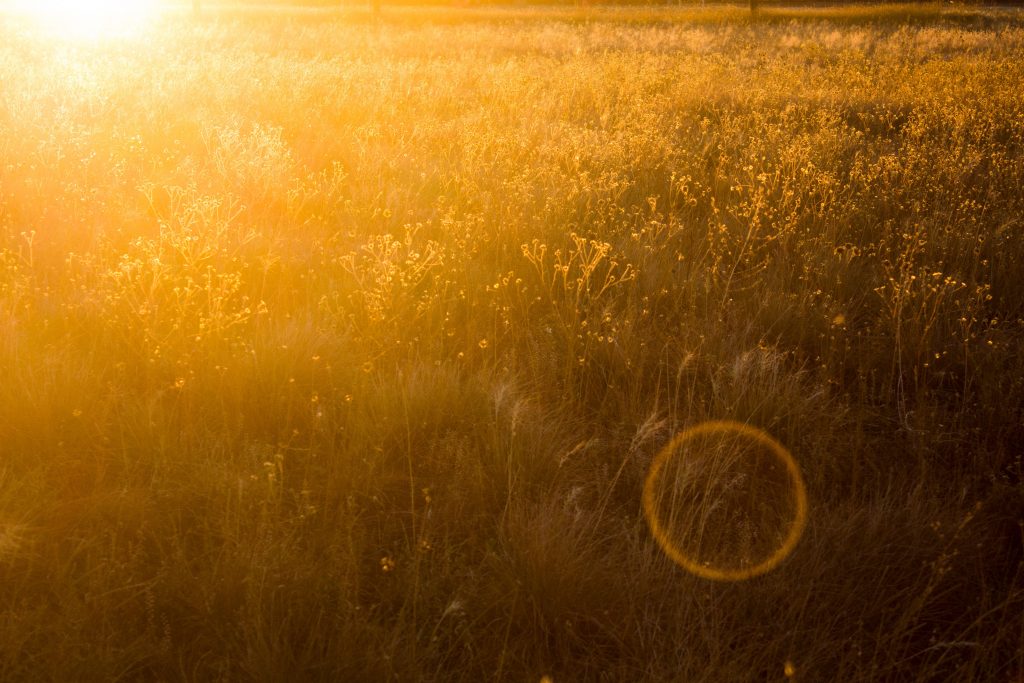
[334, 349]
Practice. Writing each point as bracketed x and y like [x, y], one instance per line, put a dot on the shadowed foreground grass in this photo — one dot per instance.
[331, 352]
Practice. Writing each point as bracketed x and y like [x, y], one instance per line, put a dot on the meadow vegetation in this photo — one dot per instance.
[338, 350]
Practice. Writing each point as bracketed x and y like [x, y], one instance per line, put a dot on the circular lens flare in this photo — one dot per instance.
[725, 501]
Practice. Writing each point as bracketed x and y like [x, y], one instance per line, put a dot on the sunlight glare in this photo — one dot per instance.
[88, 19]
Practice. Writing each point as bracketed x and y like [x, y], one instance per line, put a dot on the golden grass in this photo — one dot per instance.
[336, 351]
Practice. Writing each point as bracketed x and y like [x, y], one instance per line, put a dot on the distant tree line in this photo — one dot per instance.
[375, 5]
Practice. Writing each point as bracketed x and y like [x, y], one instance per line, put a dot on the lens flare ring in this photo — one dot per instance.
[661, 534]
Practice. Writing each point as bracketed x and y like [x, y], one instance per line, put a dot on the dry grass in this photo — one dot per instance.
[339, 352]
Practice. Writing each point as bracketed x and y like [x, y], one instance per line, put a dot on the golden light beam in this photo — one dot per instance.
[87, 20]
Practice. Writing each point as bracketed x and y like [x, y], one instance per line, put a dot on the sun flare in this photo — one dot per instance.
[92, 20]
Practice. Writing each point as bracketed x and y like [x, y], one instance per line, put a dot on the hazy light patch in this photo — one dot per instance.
[87, 20]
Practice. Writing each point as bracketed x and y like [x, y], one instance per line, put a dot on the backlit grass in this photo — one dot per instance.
[339, 350]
